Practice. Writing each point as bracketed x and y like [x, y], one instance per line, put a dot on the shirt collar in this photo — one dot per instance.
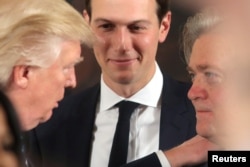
[148, 95]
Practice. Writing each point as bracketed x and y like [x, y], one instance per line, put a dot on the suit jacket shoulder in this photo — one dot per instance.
[57, 143]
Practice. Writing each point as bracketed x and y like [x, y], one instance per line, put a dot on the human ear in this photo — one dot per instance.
[86, 16]
[21, 75]
[165, 27]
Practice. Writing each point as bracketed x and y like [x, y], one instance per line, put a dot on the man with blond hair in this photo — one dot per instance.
[40, 43]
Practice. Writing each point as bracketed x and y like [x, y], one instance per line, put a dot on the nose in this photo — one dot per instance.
[121, 39]
[197, 91]
[71, 78]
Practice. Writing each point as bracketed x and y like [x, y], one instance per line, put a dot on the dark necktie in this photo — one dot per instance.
[24, 150]
[119, 150]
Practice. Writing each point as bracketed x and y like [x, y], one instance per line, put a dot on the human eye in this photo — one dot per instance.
[137, 28]
[191, 75]
[209, 74]
[106, 26]
[212, 77]
[66, 69]
[71, 66]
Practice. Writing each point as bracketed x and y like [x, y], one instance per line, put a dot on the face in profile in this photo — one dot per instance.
[45, 86]
[219, 64]
[8, 157]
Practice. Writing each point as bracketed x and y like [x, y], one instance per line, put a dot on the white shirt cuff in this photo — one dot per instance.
[163, 159]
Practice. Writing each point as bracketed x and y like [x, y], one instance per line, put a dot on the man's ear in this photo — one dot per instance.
[20, 75]
[165, 27]
[86, 16]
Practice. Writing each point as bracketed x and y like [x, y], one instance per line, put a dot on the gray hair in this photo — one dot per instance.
[32, 33]
[197, 25]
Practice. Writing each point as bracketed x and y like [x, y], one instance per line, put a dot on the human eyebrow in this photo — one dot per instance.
[188, 68]
[101, 20]
[201, 68]
[146, 22]
[191, 73]
[79, 60]
[139, 24]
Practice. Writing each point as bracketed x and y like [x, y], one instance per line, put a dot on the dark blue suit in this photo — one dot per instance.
[66, 139]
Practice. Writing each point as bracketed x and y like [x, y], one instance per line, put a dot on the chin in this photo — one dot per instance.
[46, 117]
[125, 80]
[30, 127]
[203, 131]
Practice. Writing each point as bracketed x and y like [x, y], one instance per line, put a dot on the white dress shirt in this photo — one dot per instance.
[144, 123]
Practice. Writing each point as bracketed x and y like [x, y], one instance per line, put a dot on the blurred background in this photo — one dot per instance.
[169, 57]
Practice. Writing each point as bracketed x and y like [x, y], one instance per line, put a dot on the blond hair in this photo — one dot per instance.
[32, 31]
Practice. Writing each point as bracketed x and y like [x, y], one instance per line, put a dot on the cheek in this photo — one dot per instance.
[103, 41]
[224, 108]
[58, 79]
[146, 40]
[101, 47]
[147, 43]
[99, 55]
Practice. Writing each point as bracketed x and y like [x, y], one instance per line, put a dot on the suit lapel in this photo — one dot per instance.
[85, 119]
[176, 120]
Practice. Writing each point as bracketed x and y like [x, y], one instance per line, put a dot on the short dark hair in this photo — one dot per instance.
[163, 7]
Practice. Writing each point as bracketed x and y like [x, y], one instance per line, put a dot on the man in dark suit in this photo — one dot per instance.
[82, 129]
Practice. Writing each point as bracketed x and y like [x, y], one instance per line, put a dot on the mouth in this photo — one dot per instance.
[202, 108]
[202, 111]
[123, 61]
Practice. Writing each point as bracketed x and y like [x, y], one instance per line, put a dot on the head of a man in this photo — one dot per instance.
[217, 53]
[128, 34]
[40, 44]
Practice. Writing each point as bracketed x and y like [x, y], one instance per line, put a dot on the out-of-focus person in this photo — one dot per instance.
[216, 46]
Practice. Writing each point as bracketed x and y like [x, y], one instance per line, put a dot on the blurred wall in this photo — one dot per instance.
[169, 57]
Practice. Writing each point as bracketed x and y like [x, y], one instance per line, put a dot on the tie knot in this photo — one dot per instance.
[126, 108]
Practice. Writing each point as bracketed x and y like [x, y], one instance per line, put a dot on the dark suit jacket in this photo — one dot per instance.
[66, 139]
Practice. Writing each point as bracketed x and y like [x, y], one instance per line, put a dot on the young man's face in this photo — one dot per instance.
[128, 32]
[217, 64]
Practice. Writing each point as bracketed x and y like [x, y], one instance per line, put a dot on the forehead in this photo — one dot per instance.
[222, 47]
[126, 9]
